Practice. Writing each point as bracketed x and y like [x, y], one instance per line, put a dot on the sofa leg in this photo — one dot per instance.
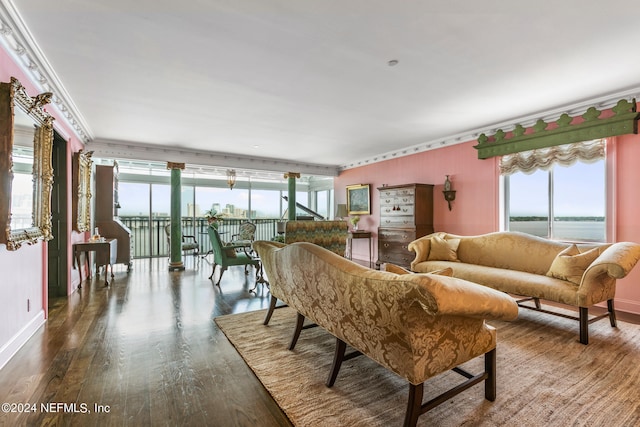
[490, 369]
[537, 303]
[414, 405]
[584, 325]
[612, 313]
[296, 333]
[338, 357]
[272, 306]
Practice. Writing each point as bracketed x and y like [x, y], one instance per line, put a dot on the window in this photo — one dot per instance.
[266, 203]
[564, 201]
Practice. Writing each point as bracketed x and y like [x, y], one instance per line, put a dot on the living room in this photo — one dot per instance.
[478, 207]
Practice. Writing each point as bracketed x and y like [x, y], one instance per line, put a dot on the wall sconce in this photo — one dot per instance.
[449, 194]
[231, 178]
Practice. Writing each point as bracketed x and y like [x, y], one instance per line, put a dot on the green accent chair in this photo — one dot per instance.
[226, 256]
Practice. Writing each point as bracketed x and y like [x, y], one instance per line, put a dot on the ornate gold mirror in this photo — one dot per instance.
[26, 173]
[82, 186]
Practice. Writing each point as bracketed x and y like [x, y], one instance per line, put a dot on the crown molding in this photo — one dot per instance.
[18, 41]
[136, 151]
[601, 103]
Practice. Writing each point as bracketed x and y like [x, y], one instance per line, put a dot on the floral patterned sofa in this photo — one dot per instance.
[416, 325]
[331, 235]
[521, 264]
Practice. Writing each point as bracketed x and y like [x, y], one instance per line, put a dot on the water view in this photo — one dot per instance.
[579, 231]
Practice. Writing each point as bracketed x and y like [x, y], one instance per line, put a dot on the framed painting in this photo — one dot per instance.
[358, 199]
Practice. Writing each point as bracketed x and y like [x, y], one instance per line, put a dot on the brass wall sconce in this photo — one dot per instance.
[449, 194]
[231, 178]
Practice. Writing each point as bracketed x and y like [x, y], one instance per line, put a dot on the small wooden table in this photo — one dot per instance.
[106, 252]
[359, 235]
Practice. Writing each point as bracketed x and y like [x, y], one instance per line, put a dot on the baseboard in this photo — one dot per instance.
[18, 340]
[628, 306]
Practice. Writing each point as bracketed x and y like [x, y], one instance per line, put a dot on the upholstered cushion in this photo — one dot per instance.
[443, 250]
[392, 268]
[570, 264]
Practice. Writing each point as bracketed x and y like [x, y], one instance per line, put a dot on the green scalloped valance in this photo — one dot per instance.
[623, 121]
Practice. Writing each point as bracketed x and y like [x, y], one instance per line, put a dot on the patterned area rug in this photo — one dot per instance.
[545, 376]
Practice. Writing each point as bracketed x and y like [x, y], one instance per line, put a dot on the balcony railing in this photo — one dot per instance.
[149, 238]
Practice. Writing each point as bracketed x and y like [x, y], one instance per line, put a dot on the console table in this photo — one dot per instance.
[359, 235]
[106, 254]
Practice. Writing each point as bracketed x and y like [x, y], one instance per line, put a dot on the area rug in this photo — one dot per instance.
[545, 376]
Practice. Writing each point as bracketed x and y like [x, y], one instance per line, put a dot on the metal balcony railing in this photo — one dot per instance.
[149, 238]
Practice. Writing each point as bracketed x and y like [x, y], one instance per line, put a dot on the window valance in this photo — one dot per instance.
[544, 158]
[620, 120]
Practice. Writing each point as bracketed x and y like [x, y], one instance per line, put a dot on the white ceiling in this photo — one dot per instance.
[308, 82]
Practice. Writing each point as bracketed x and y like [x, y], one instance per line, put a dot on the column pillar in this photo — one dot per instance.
[175, 259]
[291, 210]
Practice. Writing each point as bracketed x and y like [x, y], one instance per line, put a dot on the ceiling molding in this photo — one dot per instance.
[602, 103]
[18, 41]
[137, 151]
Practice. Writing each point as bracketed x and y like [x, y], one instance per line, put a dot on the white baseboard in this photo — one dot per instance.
[18, 340]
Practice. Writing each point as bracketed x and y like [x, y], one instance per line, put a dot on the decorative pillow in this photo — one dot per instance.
[392, 268]
[570, 264]
[231, 253]
[443, 250]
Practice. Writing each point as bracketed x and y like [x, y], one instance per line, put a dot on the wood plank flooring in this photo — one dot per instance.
[143, 352]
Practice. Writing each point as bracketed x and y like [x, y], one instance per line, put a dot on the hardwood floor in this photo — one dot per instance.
[143, 352]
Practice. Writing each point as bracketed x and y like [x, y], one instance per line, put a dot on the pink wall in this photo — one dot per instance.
[475, 181]
[476, 208]
[23, 289]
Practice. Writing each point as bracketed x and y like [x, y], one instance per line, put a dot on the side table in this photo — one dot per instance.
[359, 235]
[106, 253]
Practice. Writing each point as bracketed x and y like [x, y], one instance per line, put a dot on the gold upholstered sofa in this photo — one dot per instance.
[415, 325]
[579, 275]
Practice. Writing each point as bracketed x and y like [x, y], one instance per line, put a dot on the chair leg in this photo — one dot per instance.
[414, 405]
[272, 306]
[296, 333]
[213, 270]
[490, 369]
[222, 270]
[612, 314]
[584, 325]
[338, 357]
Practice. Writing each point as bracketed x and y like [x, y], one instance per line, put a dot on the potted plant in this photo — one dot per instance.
[354, 222]
[213, 218]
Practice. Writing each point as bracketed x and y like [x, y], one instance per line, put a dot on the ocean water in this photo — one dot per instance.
[590, 231]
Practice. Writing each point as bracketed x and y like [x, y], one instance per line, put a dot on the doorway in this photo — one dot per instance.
[58, 259]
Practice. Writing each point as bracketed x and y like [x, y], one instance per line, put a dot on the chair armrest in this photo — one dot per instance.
[421, 247]
[187, 236]
[232, 246]
[458, 297]
[616, 261]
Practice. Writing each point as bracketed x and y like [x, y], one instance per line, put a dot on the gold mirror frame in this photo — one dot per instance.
[14, 95]
[82, 164]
